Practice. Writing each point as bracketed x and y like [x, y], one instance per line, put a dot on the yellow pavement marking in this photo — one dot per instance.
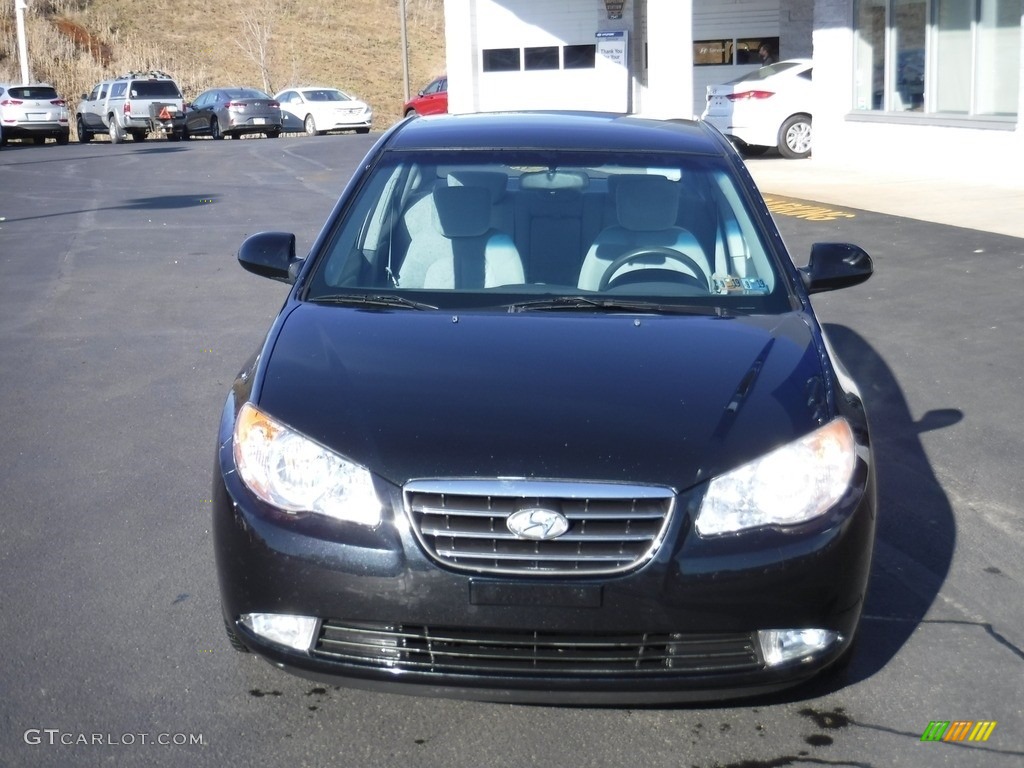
[782, 206]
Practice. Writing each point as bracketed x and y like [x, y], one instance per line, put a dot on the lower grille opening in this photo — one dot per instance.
[488, 652]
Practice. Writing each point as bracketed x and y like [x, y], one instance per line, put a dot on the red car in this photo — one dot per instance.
[432, 100]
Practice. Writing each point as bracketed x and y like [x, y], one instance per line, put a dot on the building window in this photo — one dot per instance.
[944, 57]
[579, 56]
[545, 57]
[708, 53]
[761, 51]
[501, 60]
[742, 51]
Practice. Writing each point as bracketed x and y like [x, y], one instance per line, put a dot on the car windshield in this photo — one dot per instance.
[530, 229]
[326, 94]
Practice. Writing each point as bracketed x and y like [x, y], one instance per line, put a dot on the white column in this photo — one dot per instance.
[669, 90]
[461, 54]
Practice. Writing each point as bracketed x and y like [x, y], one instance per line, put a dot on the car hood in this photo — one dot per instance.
[665, 400]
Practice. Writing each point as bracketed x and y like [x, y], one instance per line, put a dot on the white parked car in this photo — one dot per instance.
[317, 110]
[770, 107]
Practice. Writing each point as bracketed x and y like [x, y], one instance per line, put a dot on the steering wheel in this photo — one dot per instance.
[637, 254]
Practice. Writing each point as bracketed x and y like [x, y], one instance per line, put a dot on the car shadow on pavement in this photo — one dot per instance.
[916, 535]
[153, 147]
[167, 202]
[157, 203]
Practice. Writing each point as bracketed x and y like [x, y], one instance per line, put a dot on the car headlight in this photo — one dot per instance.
[296, 474]
[790, 485]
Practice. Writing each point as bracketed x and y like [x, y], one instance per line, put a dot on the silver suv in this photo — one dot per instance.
[34, 112]
[134, 104]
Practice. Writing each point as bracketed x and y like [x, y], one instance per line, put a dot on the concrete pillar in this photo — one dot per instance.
[669, 91]
[462, 52]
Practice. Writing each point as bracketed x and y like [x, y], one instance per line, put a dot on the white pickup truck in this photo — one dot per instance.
[134, 104]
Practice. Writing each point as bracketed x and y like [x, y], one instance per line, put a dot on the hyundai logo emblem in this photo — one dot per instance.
[537, 523]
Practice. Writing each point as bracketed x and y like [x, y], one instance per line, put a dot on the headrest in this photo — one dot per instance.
[462, 211]
[646, 204]
[495, 181]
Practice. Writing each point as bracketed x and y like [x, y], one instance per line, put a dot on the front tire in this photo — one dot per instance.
[84, 134]
[795, 137]
[362, 130]
[234, 639]
[309, 124]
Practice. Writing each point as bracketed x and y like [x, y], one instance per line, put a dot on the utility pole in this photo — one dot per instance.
[19, 12]
[405, 50]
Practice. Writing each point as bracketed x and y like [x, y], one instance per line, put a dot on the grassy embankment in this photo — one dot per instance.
[354, 45]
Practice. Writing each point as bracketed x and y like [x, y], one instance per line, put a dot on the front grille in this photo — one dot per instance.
[485, 652]
[612, 528]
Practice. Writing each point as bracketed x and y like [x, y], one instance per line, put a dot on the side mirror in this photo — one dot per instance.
[836, 265]
[270, 254]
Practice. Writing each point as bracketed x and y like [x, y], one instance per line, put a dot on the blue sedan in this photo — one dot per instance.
[548, 417]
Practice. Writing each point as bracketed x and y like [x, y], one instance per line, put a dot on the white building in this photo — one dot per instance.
[895, 81]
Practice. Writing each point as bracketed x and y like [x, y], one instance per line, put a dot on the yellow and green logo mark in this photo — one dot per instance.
[958, 730]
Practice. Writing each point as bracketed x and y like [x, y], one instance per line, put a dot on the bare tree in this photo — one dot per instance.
[257, 28]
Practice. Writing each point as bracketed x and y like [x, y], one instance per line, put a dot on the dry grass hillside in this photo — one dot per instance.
[354, 45]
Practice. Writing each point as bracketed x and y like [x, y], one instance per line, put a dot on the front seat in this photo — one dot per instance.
[646, 208]
[469, 253]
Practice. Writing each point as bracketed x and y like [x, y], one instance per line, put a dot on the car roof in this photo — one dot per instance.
[233, 88]
[556, 130]
[311, 88]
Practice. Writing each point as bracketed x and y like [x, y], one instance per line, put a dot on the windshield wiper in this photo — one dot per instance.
[372, 300]
[617, 305]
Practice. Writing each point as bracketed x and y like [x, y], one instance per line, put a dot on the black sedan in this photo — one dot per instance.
[547, 416]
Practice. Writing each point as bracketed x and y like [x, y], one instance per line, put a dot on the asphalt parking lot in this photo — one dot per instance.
[123, 320]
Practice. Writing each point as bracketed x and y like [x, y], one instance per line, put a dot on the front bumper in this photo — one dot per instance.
[343, 122]
[682, 627]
